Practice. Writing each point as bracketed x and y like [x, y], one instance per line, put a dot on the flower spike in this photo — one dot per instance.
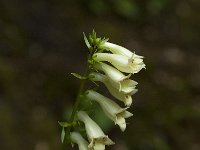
[113, 65]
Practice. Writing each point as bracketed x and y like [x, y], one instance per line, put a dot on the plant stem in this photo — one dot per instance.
[81, 88]
[78, 98]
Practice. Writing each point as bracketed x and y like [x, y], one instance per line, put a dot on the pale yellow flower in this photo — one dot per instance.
[116, 49]
[124, 97]
[96, 136]
[78, 139]
[110, 108]
[116, 78]
[122, 63]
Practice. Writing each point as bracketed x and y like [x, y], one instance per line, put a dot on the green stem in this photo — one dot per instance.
[78, 98]
[81, 88]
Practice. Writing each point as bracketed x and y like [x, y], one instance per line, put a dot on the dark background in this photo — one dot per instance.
[41, 43]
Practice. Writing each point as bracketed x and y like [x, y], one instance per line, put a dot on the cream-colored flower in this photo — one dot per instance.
[96, 136]
[78, 139]
[110, 108]
[116, 78]
[122, 63]
[124, 97]
[116, 49]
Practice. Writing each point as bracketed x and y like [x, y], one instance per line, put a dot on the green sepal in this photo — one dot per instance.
[94, 43]
[90, 61]
[104, 40]
[79, 76]
[100, 48]
[93, 34]
[90, 78]
[93, 39]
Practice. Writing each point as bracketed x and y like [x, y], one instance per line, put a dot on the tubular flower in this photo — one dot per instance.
[116, 78]
[110, 108]
[78, 139]
[116, 49]
[96, 136]
[121, 62]
[126, 98]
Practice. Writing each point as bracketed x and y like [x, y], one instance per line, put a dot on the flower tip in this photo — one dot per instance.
[108, 141]
[78, 139]
[128, 100]
[127, 114]
[122, 124]
[99, 143]
[99, 146]
[144, 66]
[122, 127]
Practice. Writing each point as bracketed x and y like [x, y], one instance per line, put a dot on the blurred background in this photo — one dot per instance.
[41, 43]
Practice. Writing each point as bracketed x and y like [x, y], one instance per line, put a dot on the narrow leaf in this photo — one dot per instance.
[63, 135]
[64, 124]
[86, 41]
[79, 76]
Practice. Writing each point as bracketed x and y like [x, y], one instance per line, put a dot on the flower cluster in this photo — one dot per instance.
[112, 65]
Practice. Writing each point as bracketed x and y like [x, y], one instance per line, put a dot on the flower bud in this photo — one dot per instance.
[110, 108]
[78, 139]
[96, 136]
[116, 49]
[122, 63]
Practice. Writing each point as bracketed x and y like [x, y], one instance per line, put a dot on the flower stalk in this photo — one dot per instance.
[78, 98]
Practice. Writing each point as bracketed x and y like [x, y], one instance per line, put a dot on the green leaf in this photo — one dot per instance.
[79, 76]
[67, 124]
[86, 41]
[63, 135]
[64, 124]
